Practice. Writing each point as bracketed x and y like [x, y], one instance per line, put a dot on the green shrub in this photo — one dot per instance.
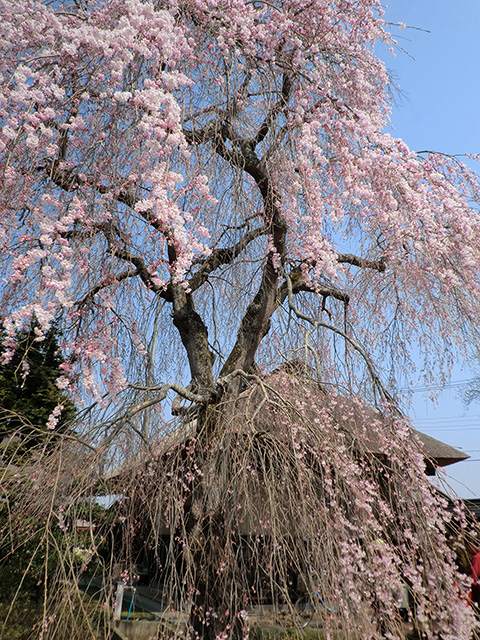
[20, 620]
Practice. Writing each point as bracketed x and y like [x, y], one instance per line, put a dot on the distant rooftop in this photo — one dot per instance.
[473, 506]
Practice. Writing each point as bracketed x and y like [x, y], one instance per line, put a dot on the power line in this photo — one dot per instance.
[456, 384]
[452, 428]
[461, 418]
[465, 417]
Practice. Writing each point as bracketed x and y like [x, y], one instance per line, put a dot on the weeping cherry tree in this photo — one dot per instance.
[243, 264]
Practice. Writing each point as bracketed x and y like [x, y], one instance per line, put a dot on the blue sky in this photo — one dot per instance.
[438, 109]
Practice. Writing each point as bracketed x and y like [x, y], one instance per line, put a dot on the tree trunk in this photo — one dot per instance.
[216, 608]
[218, 596]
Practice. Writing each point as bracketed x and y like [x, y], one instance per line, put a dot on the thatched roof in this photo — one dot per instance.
[369, 427]
[257, 408]
[439, 453]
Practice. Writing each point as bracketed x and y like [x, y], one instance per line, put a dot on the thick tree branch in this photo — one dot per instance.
[363, 263]
[162, 390]
[141, 267]
[69, 180]
[194, 336]
[203, 135]
[256, 321]
[298, 283]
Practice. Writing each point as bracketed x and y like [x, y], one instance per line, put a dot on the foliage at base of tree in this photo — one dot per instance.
[23, 567]
[20, 620]
[28, 546]
[42, 562]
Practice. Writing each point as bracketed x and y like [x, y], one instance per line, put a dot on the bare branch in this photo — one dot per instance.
[281, 103]
[223, 256]
[120, 419]
[163, 389]
[90, 295]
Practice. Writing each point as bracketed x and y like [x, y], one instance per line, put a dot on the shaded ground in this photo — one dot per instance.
[148, 615]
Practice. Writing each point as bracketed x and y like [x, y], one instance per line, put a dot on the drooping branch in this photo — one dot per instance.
[376, 380]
